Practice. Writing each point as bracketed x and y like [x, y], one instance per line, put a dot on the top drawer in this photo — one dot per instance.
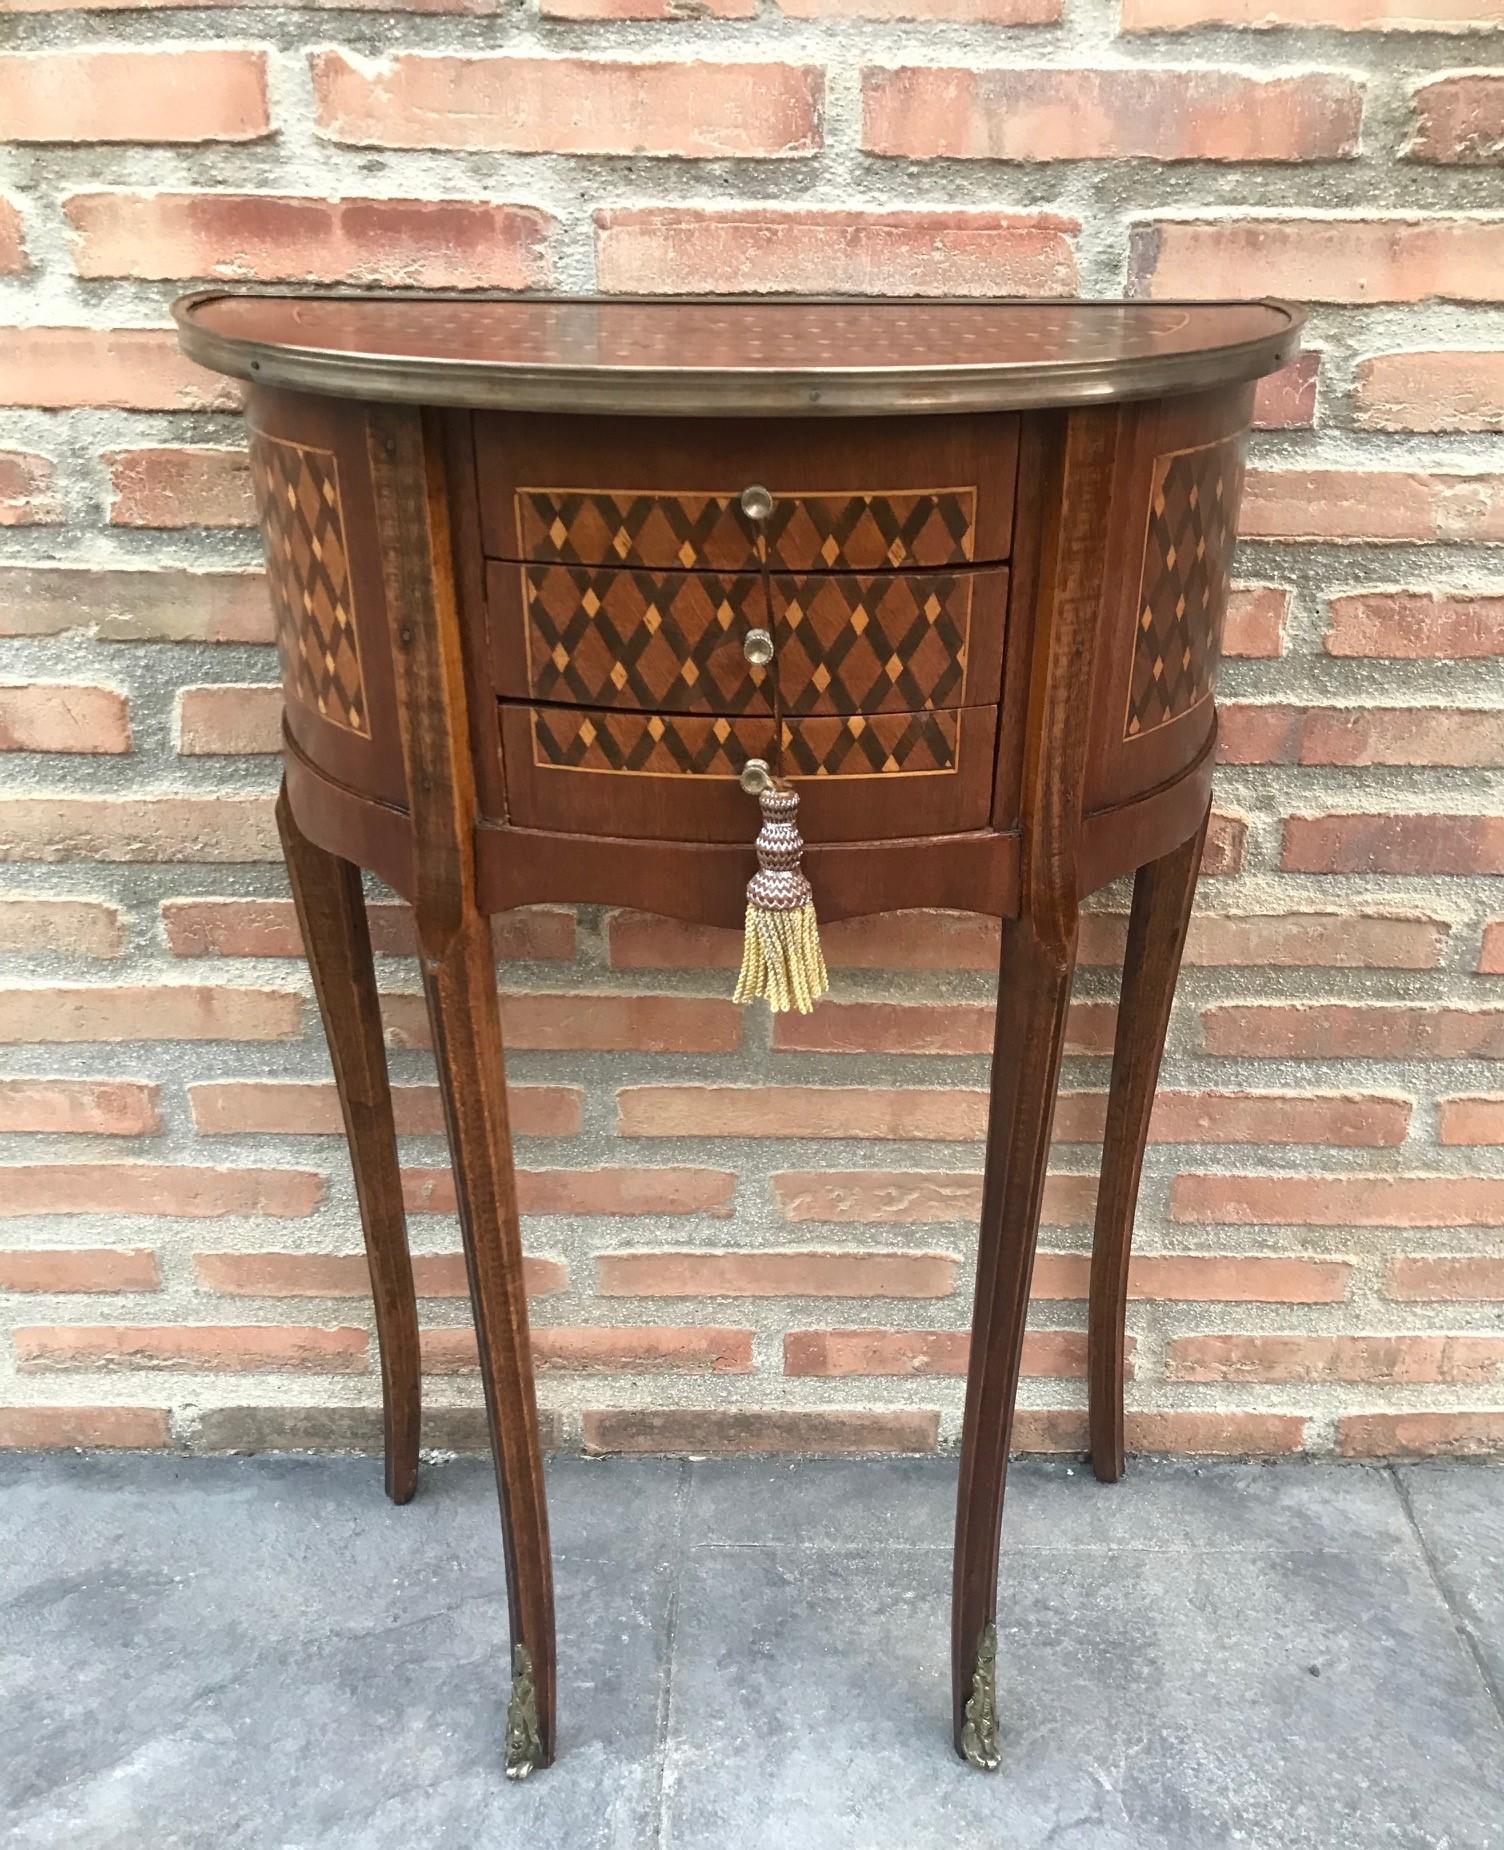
[852, 495]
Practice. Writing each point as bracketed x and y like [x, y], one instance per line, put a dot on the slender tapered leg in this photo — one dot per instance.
[1033, 995]
[460, 984]
[1162, 895]
[331, 911]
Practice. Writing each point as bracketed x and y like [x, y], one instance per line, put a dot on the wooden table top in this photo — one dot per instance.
[732, 356]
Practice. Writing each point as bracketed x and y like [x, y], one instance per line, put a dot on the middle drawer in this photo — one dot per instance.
[666, 641]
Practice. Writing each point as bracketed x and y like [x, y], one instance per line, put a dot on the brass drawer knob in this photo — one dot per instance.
[757, 503]
[758, 648]
[756, 777]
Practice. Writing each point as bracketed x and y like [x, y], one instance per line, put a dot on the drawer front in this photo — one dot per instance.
[856, 495]
[862, 777]
[894, 641]
[597, 637]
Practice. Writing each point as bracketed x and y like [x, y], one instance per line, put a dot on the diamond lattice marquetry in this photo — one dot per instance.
[873, 532]
[869, 745]
[307, 571]
[651, 744]
[1188, 552]
[848, 643]
[670, 640]
[585, 526]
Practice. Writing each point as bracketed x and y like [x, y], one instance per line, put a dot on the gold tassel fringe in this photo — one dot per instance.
[782, 959]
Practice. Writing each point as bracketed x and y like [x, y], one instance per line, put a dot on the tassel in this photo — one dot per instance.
[781, 958]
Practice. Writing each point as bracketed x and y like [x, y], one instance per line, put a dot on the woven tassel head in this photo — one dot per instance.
[781, 957]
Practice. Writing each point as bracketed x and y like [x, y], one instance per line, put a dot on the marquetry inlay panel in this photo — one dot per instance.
[308, 576]
[693, 745]
[852, 643]
[870, 745]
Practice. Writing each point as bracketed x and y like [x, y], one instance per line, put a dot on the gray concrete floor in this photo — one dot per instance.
[262, 1652]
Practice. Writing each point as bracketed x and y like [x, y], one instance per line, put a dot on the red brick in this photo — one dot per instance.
[346, 1275]
[269, 928]
[1212, 1434]
[929, 112]
[135, 606]
[1393, 844]
[1438, 390]
[645, 9]
[310, 1108]
[1459, 119]
[129, 369]
[976, 12]
[1255, 624]
[183, 1191]
[942, 1113]
[13, 259]
[1286, 400]
[255, 1348]
[908, 1196]
[229, 718]
[689, 108]
[1204, 1278]
[1307, 940]
[279, 238]
[669, 249]
[886, 941]
[1432, 1279]
[85, 1428]
[177, 487]
[1047, 1353]
[1461, 1360]
[80, 1268]
[486, 7]
[1464, 1121]
[1352, 1031]
[28, 496]
[603, 1022]
[676, 1273]
[714, 1430]
[149, 1012]
[1331, 15]
[1343, 1121]
[1420, 1435]
[71, 927]
[224, 828]
[1416, 625]
[924, 1027]
[1339, 1200]
[1491, 951]
[1344, 505]
[63, 716]
[1360, 735]
[590, 1191]
[632, 1349]
[1336, 258]
[88, 1107]
[1226, 844]
[182, 94]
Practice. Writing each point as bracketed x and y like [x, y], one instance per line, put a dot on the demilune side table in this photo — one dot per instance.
[558, 583]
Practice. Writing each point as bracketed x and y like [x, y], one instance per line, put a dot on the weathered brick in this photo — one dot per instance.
[631, 1349]
[924, 1027]
[1047, 1353]
[1339, 1200]
[1341, 1121]
[1383, 505]
[773, 1274]
[254, 1348]
[87, 1107]
[1461, 1360]
[614, 10]
[229, 718]
[1214, 1434]
[607, 1190]
[176, 487]
[1420, 1435]
[1393, 844]
[135, 606]
[484, 7]
[182, 94]
[129, 369]
[310, 1108]
[1433, 1279]
[149, 1012]
[602, 1023]
[1458, 119]
[1286, 400]
[28, 492]
[977, 12]
[1416, 625]
[693, 109]
[108, 1428]
[346, 1275]
[669, 249]
[942, 1113]
[80, 1268]
[269, 928]
[177, 1191]
[1352, 1031]
[63, 716]
[279, 238]
[1465, 1121]
[717, 1430]
[1204, 1278]
[68, 927]
[908, 1196]
[886, 941]
[223, 827]
[1438, 390]
[1491, 950]
[929, 112]
[13, 258]
[1331, 940]
[1329, 15]
[1336, 258]
[1360, 735]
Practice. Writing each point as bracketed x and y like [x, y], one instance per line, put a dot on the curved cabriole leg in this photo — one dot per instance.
[1162, 894]
[1033, 996]
[331, 910]
[460, 984]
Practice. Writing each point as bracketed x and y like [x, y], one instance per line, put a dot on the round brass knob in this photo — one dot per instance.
[757, 646]
[757, 503]
[756, 777]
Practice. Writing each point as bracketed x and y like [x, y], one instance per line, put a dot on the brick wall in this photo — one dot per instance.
[741, 1236]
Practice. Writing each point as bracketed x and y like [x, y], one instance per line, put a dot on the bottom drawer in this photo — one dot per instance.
[673, 776]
